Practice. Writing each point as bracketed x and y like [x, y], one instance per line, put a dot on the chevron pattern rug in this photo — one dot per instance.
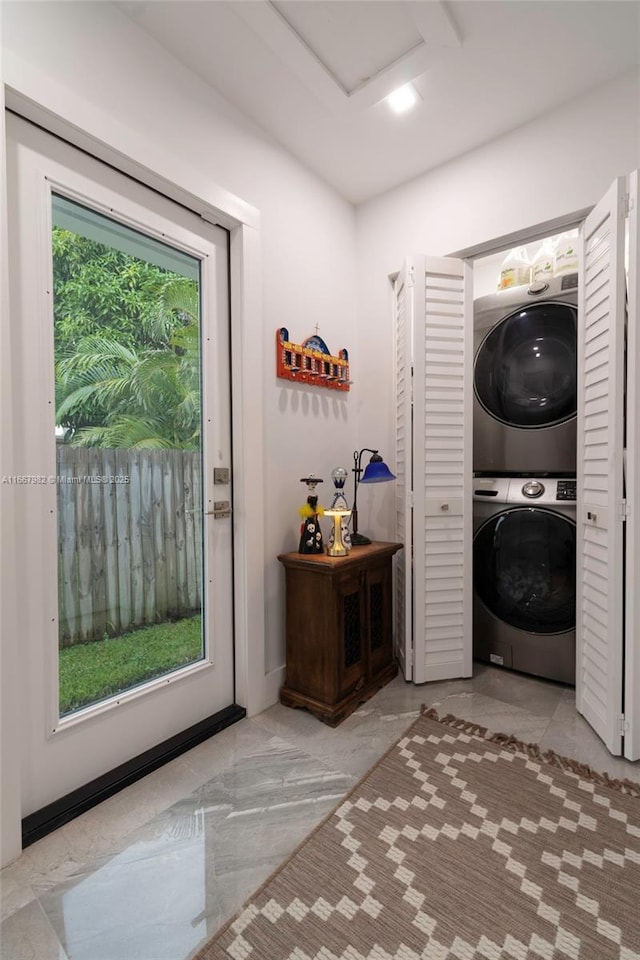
[458, 845]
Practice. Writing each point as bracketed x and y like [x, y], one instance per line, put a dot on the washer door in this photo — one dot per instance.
[525, 370]
[525, 569]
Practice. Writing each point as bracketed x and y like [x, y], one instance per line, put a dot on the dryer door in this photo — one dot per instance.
[524, 562]
[525, 370]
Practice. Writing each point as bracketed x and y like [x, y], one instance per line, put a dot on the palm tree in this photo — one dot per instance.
[114, 395]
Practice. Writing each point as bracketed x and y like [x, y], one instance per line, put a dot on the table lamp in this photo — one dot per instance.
[376, 471]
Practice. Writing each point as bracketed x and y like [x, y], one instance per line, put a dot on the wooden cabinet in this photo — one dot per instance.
[338, 629]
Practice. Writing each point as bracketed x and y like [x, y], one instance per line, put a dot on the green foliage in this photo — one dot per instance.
[150, 399]
[99, 290]
[127, 349]
[90, 672]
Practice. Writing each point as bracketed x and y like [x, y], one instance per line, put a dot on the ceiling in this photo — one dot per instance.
[312, 73]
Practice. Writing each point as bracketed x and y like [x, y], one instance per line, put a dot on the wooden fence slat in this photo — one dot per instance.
[135, 526]
[112, 596]
[200, 527]
[95, 471]
[67, 553]
[81, 493]
[191, 519]
[181, 559]
[123, 492]
[169, 513]
[146, 538]
[159, 545]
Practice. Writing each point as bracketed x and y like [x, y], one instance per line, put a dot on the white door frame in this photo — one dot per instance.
[37, 99]
[632, 602]
[10, 802]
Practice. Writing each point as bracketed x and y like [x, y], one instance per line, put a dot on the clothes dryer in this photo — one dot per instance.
[525, 379]
[524, 574]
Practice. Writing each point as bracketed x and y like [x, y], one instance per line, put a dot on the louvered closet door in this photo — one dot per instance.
[403, 308]
[632, 601]
[599, 534]
[442, 464]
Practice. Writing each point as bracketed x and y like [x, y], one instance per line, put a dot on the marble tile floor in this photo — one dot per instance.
[153, 872]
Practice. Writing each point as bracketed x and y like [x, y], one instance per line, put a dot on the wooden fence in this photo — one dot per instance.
[129, 550]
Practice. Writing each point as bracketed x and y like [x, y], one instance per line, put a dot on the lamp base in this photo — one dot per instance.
[337, 547]
[359, 540]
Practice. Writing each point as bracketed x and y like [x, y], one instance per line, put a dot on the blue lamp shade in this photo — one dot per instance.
[377, 471]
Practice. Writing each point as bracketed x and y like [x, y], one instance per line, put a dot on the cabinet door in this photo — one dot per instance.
[352, 662]
[378, 608]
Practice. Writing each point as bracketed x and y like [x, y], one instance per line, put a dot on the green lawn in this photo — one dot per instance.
[92, 671]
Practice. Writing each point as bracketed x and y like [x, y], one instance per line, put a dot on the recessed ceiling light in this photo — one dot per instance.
[403, 98]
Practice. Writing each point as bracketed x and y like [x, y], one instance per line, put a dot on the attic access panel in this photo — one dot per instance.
[353, 54]
[354, 39]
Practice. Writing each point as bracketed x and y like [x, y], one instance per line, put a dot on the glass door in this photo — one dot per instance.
[128, 425]
[121, 319]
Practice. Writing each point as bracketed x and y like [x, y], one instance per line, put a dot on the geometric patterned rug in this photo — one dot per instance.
[458, 845]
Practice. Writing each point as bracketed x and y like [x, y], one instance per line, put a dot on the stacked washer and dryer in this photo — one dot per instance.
[524, 455]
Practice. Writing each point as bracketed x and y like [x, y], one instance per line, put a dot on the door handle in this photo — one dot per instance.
[221, 509]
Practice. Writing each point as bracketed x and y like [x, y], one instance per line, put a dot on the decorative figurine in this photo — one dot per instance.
[310, 532]
[340, 539]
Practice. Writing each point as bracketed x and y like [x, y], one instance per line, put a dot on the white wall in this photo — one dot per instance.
[555, 165]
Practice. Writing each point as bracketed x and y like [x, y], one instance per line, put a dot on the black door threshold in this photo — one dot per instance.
[56, 814]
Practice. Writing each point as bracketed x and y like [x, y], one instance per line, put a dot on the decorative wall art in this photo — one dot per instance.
[311, 362]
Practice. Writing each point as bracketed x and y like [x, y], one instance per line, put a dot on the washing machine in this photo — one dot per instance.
[524, 574]
[525, 379]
